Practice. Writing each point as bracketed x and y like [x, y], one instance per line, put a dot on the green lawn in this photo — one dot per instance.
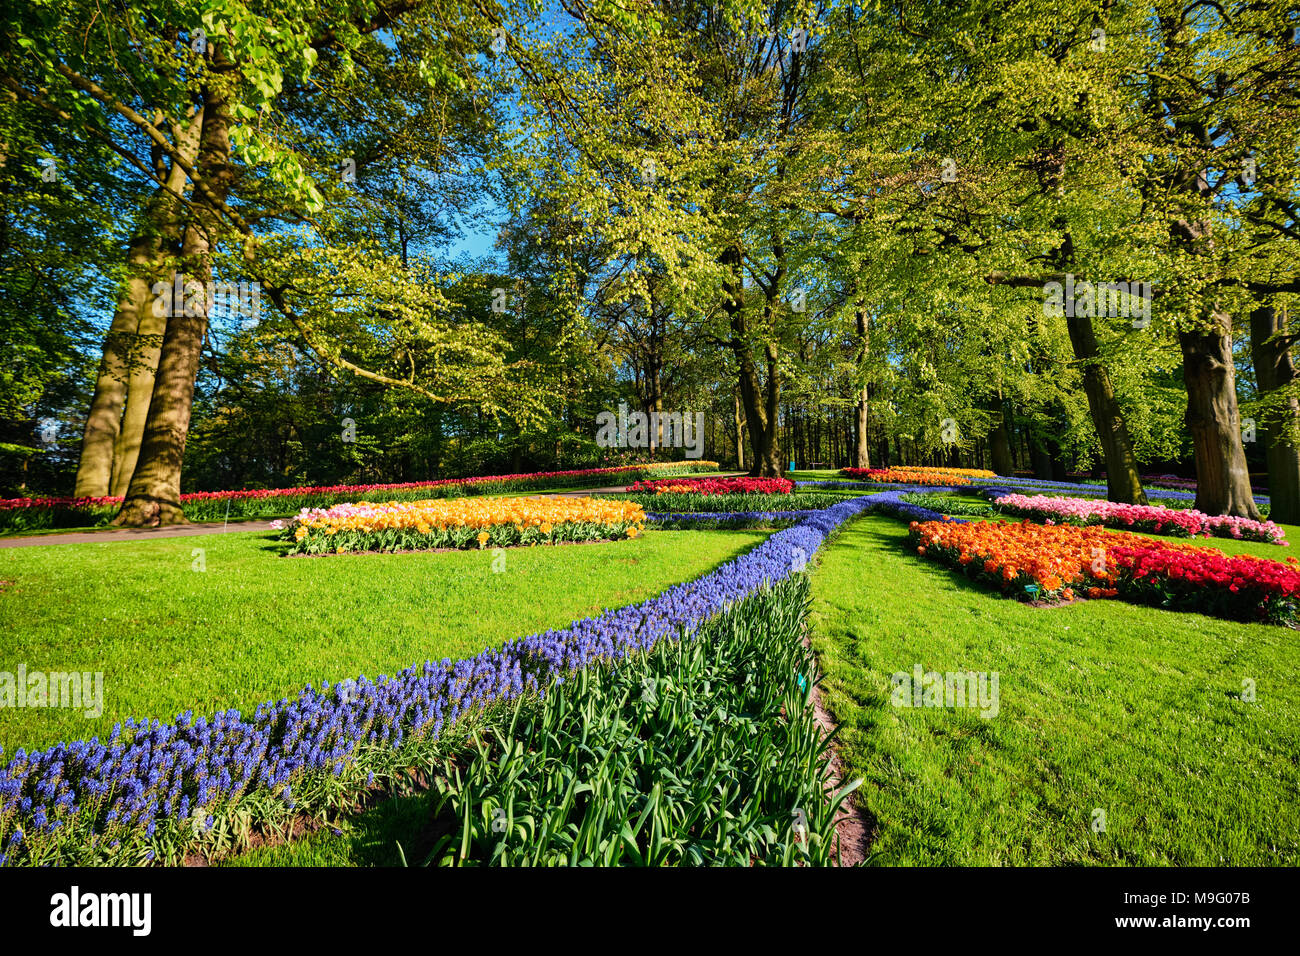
[255, 626]
[1105, 706]
[371, 838]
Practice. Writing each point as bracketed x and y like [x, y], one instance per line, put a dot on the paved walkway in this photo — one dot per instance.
[221, 527]
[139, 534]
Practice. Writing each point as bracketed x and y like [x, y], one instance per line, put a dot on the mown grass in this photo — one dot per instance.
[1133, 711]
[255, 626]
[376, 837]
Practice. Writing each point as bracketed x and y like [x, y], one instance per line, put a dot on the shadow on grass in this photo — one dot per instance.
[937, 577]
[400, 822]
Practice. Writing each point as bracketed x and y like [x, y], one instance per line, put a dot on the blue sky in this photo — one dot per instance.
[477, 244]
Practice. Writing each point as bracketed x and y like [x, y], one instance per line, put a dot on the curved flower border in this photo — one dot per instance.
[147, 772]
[1174, 522]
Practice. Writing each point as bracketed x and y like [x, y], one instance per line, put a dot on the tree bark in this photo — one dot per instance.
[771, 465]
[760, 399]
[1000, 443]
[1274, 369]
[1123, 484]
[740, 435]
[153, 497]
[1040, 457]
[146, 345]
[862, 411]
[145, 260]
[654, 366]
[1222, 477]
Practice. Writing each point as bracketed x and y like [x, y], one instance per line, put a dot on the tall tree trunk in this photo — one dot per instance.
[1222, 477]
[95, 468]
[153, 497]
[654, 375]
[145, 350]
[1039, 455]
[1271, 354]
[757, 422]
[772, 465]
[740, 435]
[1000, 443]
[758, 398]
[1212, 416]
[1123, 484]
[654, 406]
[147, 342]
[862, 410]
[145, 261]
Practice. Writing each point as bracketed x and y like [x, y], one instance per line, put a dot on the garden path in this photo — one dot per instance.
[214, 527]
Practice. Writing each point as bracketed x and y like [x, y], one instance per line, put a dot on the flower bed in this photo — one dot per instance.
[1062, 562]
[944, 470]
[836, 485]
[459, 523]
[716, 486]
[152, 787]
[1182, 484]
[1170, 481]
[1176, 522]
[743, 751]
[898, 503]
[688, 501]
[1005, 485]
[948, 504]
[913, 476]
[35, 513]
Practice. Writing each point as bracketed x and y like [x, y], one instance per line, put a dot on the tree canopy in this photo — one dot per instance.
[1037, 237]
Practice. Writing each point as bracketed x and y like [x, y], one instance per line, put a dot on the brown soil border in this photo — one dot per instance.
[853, 827]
